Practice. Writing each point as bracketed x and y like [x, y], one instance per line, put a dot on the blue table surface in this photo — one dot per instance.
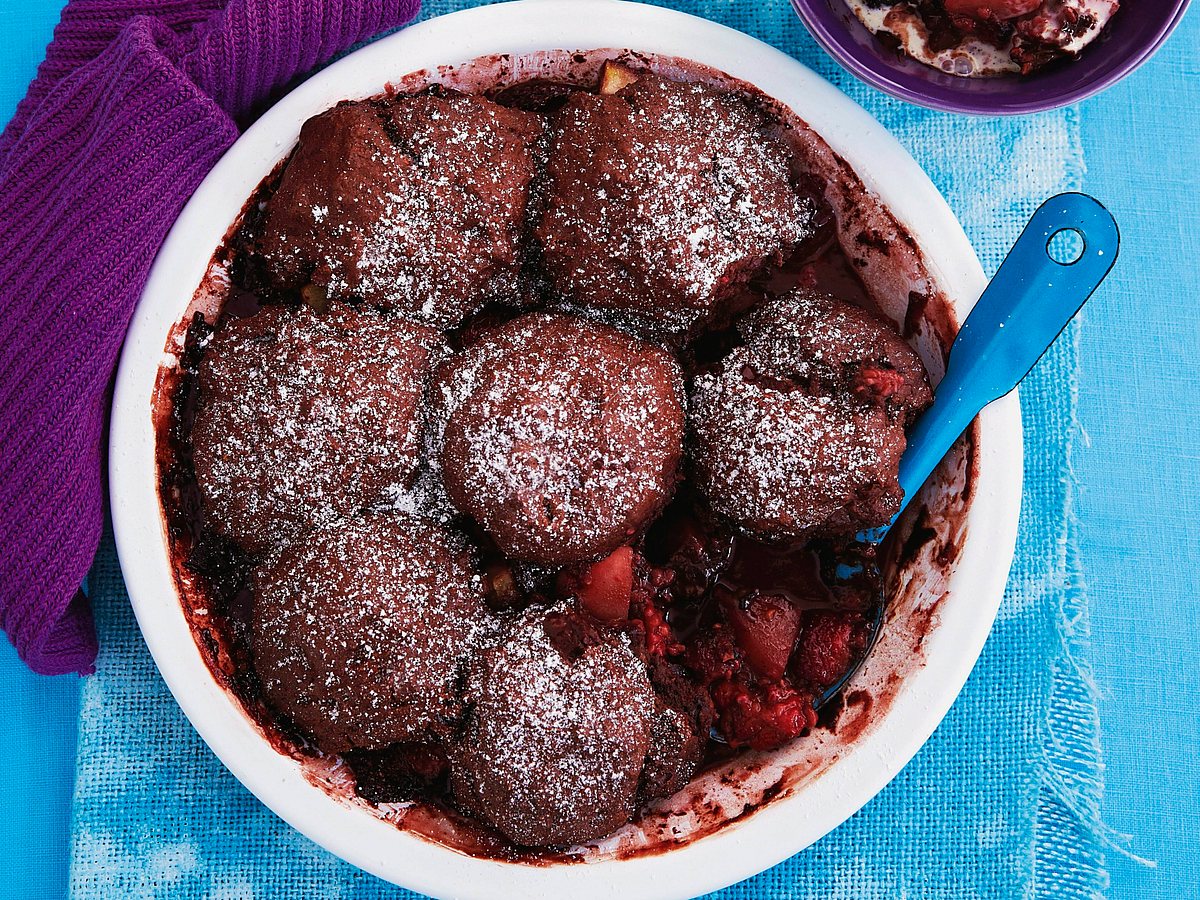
[1139, 476]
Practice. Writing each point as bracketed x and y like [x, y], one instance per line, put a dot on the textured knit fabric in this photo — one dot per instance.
[135, 102]
[1001, 803]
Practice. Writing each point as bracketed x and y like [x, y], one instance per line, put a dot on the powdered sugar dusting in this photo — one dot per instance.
[555, 747]
[414, 203]
[305, 417]
[560, 436]
[789, 434]
[818, 340]
[662, 198]
[361, 629]
[781, 460]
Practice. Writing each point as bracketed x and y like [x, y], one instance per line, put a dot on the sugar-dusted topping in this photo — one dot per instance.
[553, 748]
[361, 630]
[423, 496]
[816, 340]
[661, 198]
[561, 437]
[415, 203]
[783, 461]
[303, 417]
[802, 428]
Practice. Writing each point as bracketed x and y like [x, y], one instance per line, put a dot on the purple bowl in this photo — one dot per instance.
[1131, 38]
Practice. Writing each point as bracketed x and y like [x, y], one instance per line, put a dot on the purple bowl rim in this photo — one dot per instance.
[828, 38]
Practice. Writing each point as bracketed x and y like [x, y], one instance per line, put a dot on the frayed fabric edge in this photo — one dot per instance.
[1071, 836]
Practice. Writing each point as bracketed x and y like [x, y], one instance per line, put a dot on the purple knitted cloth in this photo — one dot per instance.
[135, 102]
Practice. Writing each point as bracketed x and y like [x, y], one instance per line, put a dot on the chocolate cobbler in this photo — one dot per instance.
[519, 463]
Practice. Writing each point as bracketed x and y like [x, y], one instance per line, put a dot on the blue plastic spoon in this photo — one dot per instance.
[1025, 307]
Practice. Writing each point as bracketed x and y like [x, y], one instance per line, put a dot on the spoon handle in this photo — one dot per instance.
[1027, 304]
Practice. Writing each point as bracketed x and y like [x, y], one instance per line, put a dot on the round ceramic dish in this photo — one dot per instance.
[1132, 38]
[963, 609]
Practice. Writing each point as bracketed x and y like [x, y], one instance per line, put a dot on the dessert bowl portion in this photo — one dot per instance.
[601, 616]
[987, 38]
[1076, 60]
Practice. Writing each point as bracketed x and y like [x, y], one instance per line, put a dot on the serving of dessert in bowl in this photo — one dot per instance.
[988, 38]
[490, 497]
[990, 57]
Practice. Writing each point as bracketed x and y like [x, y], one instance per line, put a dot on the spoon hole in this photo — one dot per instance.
[1066, 246]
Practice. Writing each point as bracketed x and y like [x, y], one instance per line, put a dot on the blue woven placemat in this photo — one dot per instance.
[1002, 802]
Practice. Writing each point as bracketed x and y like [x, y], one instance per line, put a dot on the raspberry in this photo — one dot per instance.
[645, 596]
[875, 384]
[656, 631]
[761, 718]
[827, 647]
[714, 657]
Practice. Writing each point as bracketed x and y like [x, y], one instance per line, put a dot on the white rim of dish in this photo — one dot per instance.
[738, 851]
